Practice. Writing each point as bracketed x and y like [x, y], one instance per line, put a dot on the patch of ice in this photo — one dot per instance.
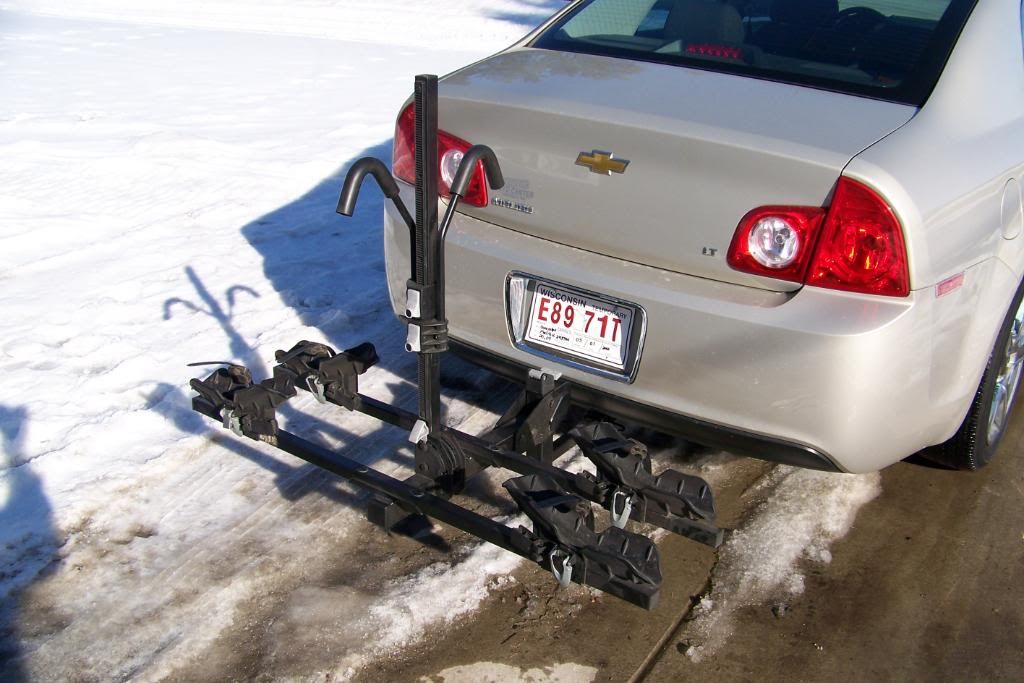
[805, 511]
[491, 672]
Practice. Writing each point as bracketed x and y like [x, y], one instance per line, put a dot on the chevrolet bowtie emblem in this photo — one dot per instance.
[604, 163]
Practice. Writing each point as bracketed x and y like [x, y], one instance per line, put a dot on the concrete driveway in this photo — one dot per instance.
[927, 586]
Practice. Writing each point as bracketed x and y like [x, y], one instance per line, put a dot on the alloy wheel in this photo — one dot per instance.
[1008, 378]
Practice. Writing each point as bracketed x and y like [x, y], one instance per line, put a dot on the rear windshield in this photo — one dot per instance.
[887, 49]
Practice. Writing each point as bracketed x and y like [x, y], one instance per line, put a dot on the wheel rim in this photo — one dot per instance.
[1008, 378]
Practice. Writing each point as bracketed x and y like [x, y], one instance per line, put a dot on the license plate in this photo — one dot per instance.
[588, 328]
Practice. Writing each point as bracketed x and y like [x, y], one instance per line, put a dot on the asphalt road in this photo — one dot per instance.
[928, 586]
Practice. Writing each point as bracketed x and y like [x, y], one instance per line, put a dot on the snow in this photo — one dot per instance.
[463, 26]
[167, 194]
[490, 672]
[437, 594]
[802, 514]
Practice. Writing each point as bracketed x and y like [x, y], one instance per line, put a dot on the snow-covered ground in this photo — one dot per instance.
[167, 188]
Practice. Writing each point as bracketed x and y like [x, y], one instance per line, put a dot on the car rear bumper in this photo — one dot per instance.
[817, 378]
[706, 433]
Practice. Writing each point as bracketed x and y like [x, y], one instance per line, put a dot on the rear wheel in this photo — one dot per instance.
[975, 442]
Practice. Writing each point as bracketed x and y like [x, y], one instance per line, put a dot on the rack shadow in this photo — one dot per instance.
[330, 271]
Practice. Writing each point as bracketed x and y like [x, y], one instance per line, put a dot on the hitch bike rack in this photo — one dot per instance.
[527, 439]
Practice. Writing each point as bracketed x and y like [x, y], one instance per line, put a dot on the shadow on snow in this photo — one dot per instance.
[28, 537]
[330, 271]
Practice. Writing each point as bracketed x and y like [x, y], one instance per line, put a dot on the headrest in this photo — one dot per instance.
[704, 21]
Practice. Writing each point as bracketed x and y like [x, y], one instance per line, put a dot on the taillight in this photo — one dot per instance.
[403, 157]
[856, 245]
[861, 245]
[776, 241]
[450, 150]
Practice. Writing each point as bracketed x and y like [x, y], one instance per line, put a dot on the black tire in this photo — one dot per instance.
[970, 448]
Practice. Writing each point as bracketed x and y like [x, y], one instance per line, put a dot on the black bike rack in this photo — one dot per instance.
[529, 437]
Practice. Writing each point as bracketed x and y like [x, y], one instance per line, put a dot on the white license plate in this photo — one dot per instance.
[591, 329]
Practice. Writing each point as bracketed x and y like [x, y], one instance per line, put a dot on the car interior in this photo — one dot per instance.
[875, 42]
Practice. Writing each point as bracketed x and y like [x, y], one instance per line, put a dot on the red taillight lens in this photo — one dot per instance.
[449, 151]
[449, 155]
[861, 246]
[857, 248]
[403, 157]
[776, 241]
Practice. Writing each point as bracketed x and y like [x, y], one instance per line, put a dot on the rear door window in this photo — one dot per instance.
[888, 49]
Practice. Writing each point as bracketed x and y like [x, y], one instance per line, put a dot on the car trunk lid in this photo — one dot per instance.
[703, 149]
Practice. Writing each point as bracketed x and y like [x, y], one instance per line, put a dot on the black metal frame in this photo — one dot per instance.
[538, 427]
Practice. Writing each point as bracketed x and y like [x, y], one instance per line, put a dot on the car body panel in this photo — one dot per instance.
[945, 173]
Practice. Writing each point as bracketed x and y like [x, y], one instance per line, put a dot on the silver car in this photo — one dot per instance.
[787, 228]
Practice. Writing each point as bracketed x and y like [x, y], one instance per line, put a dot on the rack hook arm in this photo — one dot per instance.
[492, 173]
[491, 169]
[354, 180]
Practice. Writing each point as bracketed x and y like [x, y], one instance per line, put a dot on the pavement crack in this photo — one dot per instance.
[659, 648]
